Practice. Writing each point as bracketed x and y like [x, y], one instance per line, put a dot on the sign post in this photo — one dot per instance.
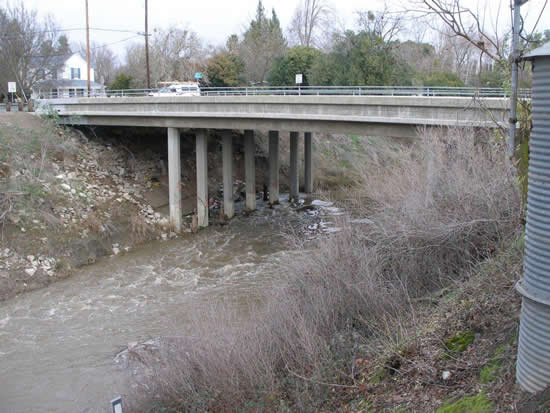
[116, 405]
[12, 88]
[299, 81]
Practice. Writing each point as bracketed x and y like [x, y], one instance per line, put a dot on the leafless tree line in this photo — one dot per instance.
[463, 40]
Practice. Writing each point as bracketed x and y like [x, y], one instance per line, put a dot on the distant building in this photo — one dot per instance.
[70, 80]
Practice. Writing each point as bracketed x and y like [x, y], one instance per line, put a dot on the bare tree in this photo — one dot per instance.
[456, 54]
[28, 47]
[175, 53]
[312, 24]
[382, 24]
[470, 25]
[104, 60]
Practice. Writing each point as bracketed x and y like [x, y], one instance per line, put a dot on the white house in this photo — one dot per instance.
[70, 80]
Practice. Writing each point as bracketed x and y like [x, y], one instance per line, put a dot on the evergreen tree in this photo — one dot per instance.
[263, 42]
[299, 59]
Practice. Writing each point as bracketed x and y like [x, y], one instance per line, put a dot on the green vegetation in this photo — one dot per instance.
[489, 372]
[378, 376]
[298, 59]
[224, 70]
[122, 81]
[361, 58]
[458, 343]
[469, 404]
[438, 78]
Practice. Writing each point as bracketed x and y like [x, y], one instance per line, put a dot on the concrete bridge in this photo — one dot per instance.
[396, 116]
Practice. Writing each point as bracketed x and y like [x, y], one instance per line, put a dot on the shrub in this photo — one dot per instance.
[443, 204]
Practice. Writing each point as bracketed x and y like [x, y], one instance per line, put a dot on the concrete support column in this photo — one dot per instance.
[228, 205]
[308, 175]
[174, 177]
[250, 169]
[273, 167]
[201, 141]
[293, 166]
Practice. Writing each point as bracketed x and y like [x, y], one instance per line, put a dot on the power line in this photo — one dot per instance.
[92, 48]
[101, 29]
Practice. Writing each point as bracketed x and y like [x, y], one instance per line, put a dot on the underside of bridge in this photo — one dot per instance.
[227, 136]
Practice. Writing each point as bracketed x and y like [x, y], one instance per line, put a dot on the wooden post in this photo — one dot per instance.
[88, 49]
[147, 46]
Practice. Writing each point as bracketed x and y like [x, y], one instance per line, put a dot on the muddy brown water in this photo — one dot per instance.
[58, 344]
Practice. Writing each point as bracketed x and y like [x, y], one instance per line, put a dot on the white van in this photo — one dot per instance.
[178, 89]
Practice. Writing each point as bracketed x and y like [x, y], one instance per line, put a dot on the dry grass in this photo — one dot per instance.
[438, 207]
[25, 154]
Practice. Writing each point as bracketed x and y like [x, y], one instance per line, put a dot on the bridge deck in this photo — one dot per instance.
[373, 115]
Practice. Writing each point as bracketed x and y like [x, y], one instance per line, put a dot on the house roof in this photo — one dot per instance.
[52, 60]
[57, 60]
[82, 57]
[66, 83]
[544, 50]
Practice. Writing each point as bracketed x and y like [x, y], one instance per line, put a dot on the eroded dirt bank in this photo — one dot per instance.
[69, 197]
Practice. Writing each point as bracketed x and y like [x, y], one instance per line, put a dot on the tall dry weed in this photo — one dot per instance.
[443, 204]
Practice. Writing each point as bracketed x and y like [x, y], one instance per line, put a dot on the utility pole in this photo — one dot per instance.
[514, 57]
[147, 47]
[88, 49]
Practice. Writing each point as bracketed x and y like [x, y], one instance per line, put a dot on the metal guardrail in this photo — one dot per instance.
[359, 91]
[308, 91]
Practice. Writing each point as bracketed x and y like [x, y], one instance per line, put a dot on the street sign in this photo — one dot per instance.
[299, 79]
[12, 87]
[198, 75]
[116, 405]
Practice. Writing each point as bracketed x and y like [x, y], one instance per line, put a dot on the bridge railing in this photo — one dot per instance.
[306, 91]
[360, 91]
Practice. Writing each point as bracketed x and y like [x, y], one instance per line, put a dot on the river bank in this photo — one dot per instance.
[59, 344]
[406, 303]
[68, 198]
[401, 310]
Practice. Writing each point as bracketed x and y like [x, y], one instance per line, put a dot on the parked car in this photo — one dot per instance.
[178, 89]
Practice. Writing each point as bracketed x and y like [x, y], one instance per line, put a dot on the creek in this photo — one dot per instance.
[58, 344]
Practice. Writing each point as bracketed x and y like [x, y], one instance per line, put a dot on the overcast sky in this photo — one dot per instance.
[213, 20]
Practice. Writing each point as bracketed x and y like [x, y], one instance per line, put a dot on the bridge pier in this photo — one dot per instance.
[174, 177]
[294, 192]
[308, 173]
[228, 205]
[250, 169]
[273, 167]
[201, 142]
